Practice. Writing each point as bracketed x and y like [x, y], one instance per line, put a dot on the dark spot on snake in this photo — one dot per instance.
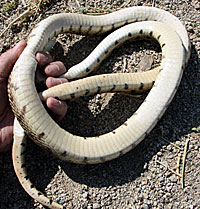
[126, 22]
[87, 70]
[24, 109]
[116, 42]
[125, 86]
[70, 28]
[113, 26]
[129, 34]
[80, 27]
[145, 134]
[113, 132]
[146, 19]
[64, 153]
[101, 29]
[77, 87]
[50, 202]
[89, 29]
[113, 88]
[163, 45]
[141, 86]
[132, 91]
[161, 69]
[133, 145]
[120, 153]
[125, 124]
[22, 153]
[31, 186]
[40, 136]
[98, 60]
[141, 31]
[153, 82]
[49, 39]
[103, 159]
[72, 95]
[85, 159]
[85, 138]
[62, 29]
[99, 89]
[23, 165]
[23, 144]
[106, 52]
[144, 101]
[54, 33]
[87, 91]
[26, 177]
[151, 33]
[39, 193]
[158, 37]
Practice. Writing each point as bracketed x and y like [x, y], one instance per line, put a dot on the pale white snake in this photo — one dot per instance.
[44, 131]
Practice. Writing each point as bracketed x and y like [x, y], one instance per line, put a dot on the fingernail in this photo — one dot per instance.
[57, 81]
[58, 103]
[43, 58]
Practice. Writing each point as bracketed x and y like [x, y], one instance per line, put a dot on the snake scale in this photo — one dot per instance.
[132, 22]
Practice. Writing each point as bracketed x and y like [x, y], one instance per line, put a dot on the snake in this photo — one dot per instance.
[33, 120]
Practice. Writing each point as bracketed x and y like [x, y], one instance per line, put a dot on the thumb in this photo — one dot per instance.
[8, 59]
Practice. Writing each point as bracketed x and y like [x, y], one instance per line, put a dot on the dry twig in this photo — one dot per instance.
[23, 15]
[125, 4]
[183, 162]
[167, 167]
[178, 165]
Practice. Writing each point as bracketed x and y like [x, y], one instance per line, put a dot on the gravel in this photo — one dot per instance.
[141, 178]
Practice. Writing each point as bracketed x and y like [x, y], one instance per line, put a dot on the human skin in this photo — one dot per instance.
[50, 68]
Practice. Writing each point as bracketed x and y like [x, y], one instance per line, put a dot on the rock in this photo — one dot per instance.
[161, 179]
[173, 179]
[96, 206]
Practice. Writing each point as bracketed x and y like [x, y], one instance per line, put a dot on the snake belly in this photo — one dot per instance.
[176, 51]
[40, 127]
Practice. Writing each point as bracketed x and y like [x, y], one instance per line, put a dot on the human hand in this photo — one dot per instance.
[7, 60]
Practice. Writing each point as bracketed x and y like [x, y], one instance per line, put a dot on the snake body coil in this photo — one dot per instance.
[39, 126]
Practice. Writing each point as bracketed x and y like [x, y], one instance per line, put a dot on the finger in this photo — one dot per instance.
[43, 59]
[50, 82]
[55, 69]
[8, 59]
[58, 107]
[6, 131]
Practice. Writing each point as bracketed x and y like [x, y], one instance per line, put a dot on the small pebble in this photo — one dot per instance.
[96, 206]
